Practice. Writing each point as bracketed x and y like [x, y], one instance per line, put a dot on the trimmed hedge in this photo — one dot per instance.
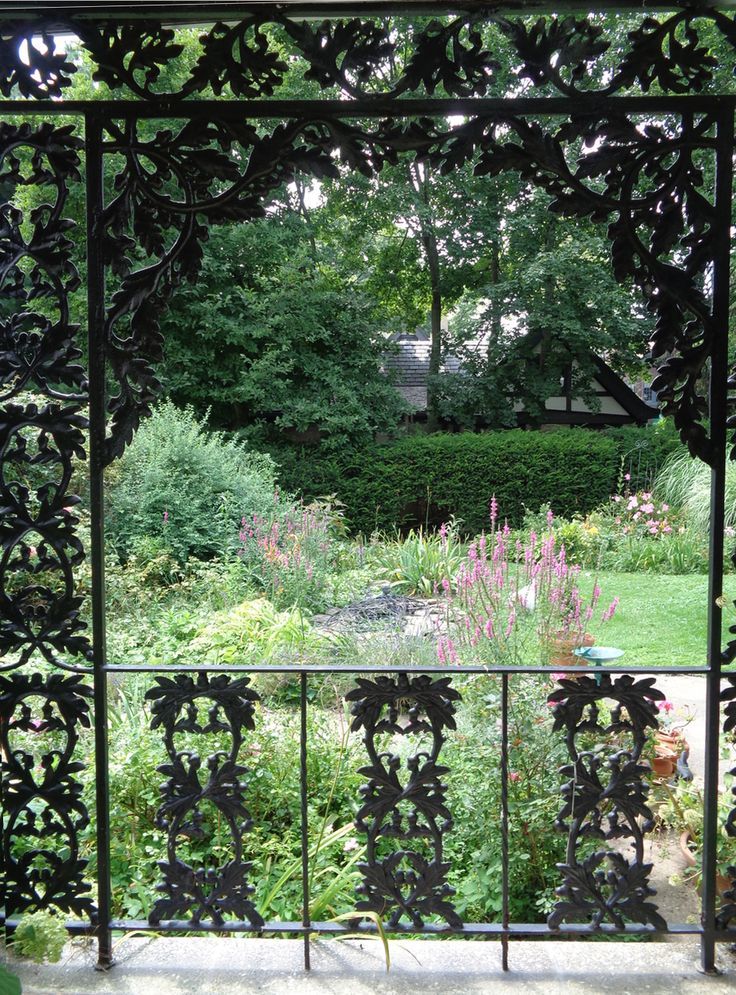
[643, 451]
[424, 479]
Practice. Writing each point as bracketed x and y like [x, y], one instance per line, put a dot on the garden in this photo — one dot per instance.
[210, 560]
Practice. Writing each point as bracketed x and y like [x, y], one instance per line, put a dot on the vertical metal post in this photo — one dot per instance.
[718, 415]
[96, 320]
[305, 818]
[505, 820]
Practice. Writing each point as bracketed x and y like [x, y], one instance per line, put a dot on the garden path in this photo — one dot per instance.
[678, 901]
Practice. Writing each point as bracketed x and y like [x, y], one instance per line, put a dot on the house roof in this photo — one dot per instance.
[410, 364]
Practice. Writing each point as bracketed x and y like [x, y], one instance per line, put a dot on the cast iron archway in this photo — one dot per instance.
[670, 232]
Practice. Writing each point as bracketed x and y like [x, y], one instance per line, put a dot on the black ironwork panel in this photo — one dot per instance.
[605, 799]
[43, 394]
[404, 874]
[210, 891]
[727, 913]
[656, 172]
[42, 809]
[453, 55]
[39, 440]
[645, 179]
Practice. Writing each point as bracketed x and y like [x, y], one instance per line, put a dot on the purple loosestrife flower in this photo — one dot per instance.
[609, 612]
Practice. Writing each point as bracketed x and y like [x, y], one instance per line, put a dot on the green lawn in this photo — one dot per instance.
[661, 620]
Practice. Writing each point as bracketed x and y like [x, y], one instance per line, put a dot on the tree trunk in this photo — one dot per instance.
[420, 186]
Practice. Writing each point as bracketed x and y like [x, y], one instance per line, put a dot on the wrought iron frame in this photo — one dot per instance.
[667, 236]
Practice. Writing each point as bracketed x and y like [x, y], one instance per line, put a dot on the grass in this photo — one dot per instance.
[660, 620]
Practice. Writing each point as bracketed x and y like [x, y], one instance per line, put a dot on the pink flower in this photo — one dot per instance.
[166, 517]
[514, 775]
[665, 706]
[493, 510]
[557, 676]
[627, 476]
[550, 517]
[609, 612]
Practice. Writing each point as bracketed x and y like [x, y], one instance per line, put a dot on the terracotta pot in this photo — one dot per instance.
[723, 882]
[561, 651]
[663, 766]
[675, 742]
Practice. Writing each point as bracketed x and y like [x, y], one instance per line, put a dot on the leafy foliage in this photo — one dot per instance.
[275, 338]
[253, 630]
[421, 563]
[41, 936]
[426, 479]
[181, 490]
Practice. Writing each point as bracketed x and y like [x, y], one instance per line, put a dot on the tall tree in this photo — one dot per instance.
[274, 337]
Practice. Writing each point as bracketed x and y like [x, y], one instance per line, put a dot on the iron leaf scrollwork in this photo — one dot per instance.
[727, 913]
[408, 879]
[605, 798]
[646, 181]
[39, 443]
[43, 812]
[364, 57]
[208, 892]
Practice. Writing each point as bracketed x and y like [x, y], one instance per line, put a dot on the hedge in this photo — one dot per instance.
[424, 479]
[642, 452]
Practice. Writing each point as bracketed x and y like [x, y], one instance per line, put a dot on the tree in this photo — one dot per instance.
[273, 336]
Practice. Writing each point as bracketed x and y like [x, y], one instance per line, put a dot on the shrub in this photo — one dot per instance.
[253, 631]
[40, 936]
[685, 483]
[421, 563]
[424, 480]
[181, 490]
[290, 557]
[474, 847]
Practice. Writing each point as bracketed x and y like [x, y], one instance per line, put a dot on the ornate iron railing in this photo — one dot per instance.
[669, 226]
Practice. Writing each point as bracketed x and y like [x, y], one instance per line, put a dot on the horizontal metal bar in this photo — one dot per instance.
[76, 927]
[201, 12]
[379, 106]
[377, 668]
[531, 930]
[470, 929]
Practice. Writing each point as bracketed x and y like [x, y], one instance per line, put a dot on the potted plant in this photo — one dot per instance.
[667, 744]
[681, 808]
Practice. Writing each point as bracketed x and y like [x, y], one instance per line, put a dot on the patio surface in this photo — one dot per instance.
[210, 966]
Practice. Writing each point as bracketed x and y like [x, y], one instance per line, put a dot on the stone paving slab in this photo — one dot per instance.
[209, 966]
